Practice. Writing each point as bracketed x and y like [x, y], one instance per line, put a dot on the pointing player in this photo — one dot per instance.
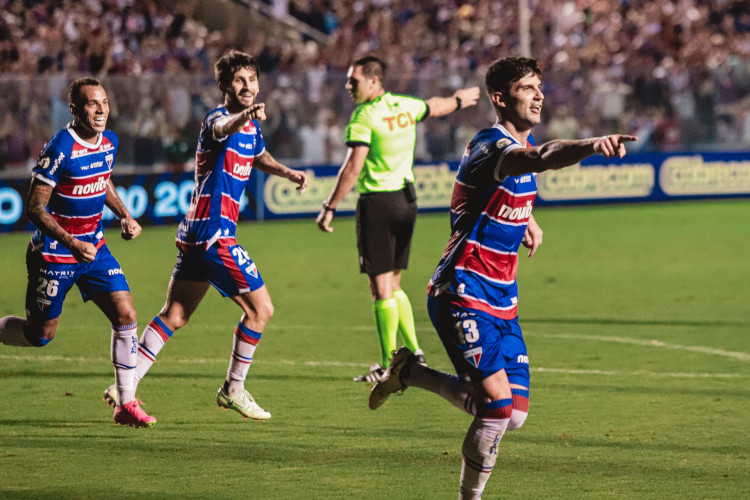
[229, 146]
[70, 186]
[381, 137]
[473, 295]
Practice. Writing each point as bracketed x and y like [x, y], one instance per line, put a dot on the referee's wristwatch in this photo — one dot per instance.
[327, 207]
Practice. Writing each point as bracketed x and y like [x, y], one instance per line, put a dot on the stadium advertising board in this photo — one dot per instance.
[153, 199]
[165, 198]
[648, 177]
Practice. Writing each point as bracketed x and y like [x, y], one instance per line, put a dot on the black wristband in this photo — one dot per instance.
[328, 208]
[458, 102]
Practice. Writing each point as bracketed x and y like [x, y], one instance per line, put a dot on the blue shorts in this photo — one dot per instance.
[49, 282]
[227, 267]
[478, 344]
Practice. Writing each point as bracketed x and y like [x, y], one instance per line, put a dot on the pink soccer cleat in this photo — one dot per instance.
[133, 415]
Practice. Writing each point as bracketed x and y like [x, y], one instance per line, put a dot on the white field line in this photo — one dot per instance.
[208, 361]
[638, 373]
[741, 356]
[204, 361]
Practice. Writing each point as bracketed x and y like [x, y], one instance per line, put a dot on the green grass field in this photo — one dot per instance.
[636, 318]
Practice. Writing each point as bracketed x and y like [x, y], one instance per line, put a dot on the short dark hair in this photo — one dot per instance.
[74, 91]
[371, 66]
[503, 72]
[230, 63]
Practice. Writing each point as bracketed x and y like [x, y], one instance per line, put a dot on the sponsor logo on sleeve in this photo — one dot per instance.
[501, 143]
[56, 165]
[43, 162]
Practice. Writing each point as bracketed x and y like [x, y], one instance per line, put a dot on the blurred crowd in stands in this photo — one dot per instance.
[674, 72]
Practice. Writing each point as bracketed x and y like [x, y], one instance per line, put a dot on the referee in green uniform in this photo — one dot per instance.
[381, 137]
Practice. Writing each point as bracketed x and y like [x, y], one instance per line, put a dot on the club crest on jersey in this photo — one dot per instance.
[109, 158]
[43, 162]
[473, 356]
[42, 303]
[252, 270]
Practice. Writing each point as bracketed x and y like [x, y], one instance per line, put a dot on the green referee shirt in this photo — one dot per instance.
[388, 125]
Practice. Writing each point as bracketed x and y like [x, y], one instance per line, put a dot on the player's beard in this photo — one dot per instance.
[241, 99]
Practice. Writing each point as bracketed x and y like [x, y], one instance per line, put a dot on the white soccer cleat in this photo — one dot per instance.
[391, 382]
[244, 404]
[375, 374]
[111, 395]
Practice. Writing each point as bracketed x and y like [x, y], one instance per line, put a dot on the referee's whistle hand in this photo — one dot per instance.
[324, 221]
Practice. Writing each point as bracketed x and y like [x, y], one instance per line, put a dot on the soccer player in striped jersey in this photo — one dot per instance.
[70, 186]
[473, 294]
[381, 137]
[229, 147]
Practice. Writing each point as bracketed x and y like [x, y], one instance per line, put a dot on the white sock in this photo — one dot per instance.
[11, 332]
[153, 338]
[448, 387]
[479, 455]
[244, 344]
[124, 355]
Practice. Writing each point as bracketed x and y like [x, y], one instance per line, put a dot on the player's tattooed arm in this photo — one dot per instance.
[557, 154]
[130, 227]
[36, 210]
[268, 165]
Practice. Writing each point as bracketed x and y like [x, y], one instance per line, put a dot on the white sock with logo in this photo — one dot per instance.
[479, 455]
[244, 344]
[124, 352]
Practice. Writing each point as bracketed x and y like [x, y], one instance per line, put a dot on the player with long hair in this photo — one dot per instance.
[229, 147]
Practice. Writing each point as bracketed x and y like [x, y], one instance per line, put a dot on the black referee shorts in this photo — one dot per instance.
[385, 224]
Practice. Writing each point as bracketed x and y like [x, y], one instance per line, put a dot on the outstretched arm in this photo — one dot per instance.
[36, 210]
[130, 227]
[462, 98]
[353, 163]
[268, 165]
[560, 153]
[231, 124]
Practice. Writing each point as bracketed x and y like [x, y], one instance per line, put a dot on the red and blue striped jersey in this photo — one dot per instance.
[78, 172]
[222, 170]
[489, 214]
